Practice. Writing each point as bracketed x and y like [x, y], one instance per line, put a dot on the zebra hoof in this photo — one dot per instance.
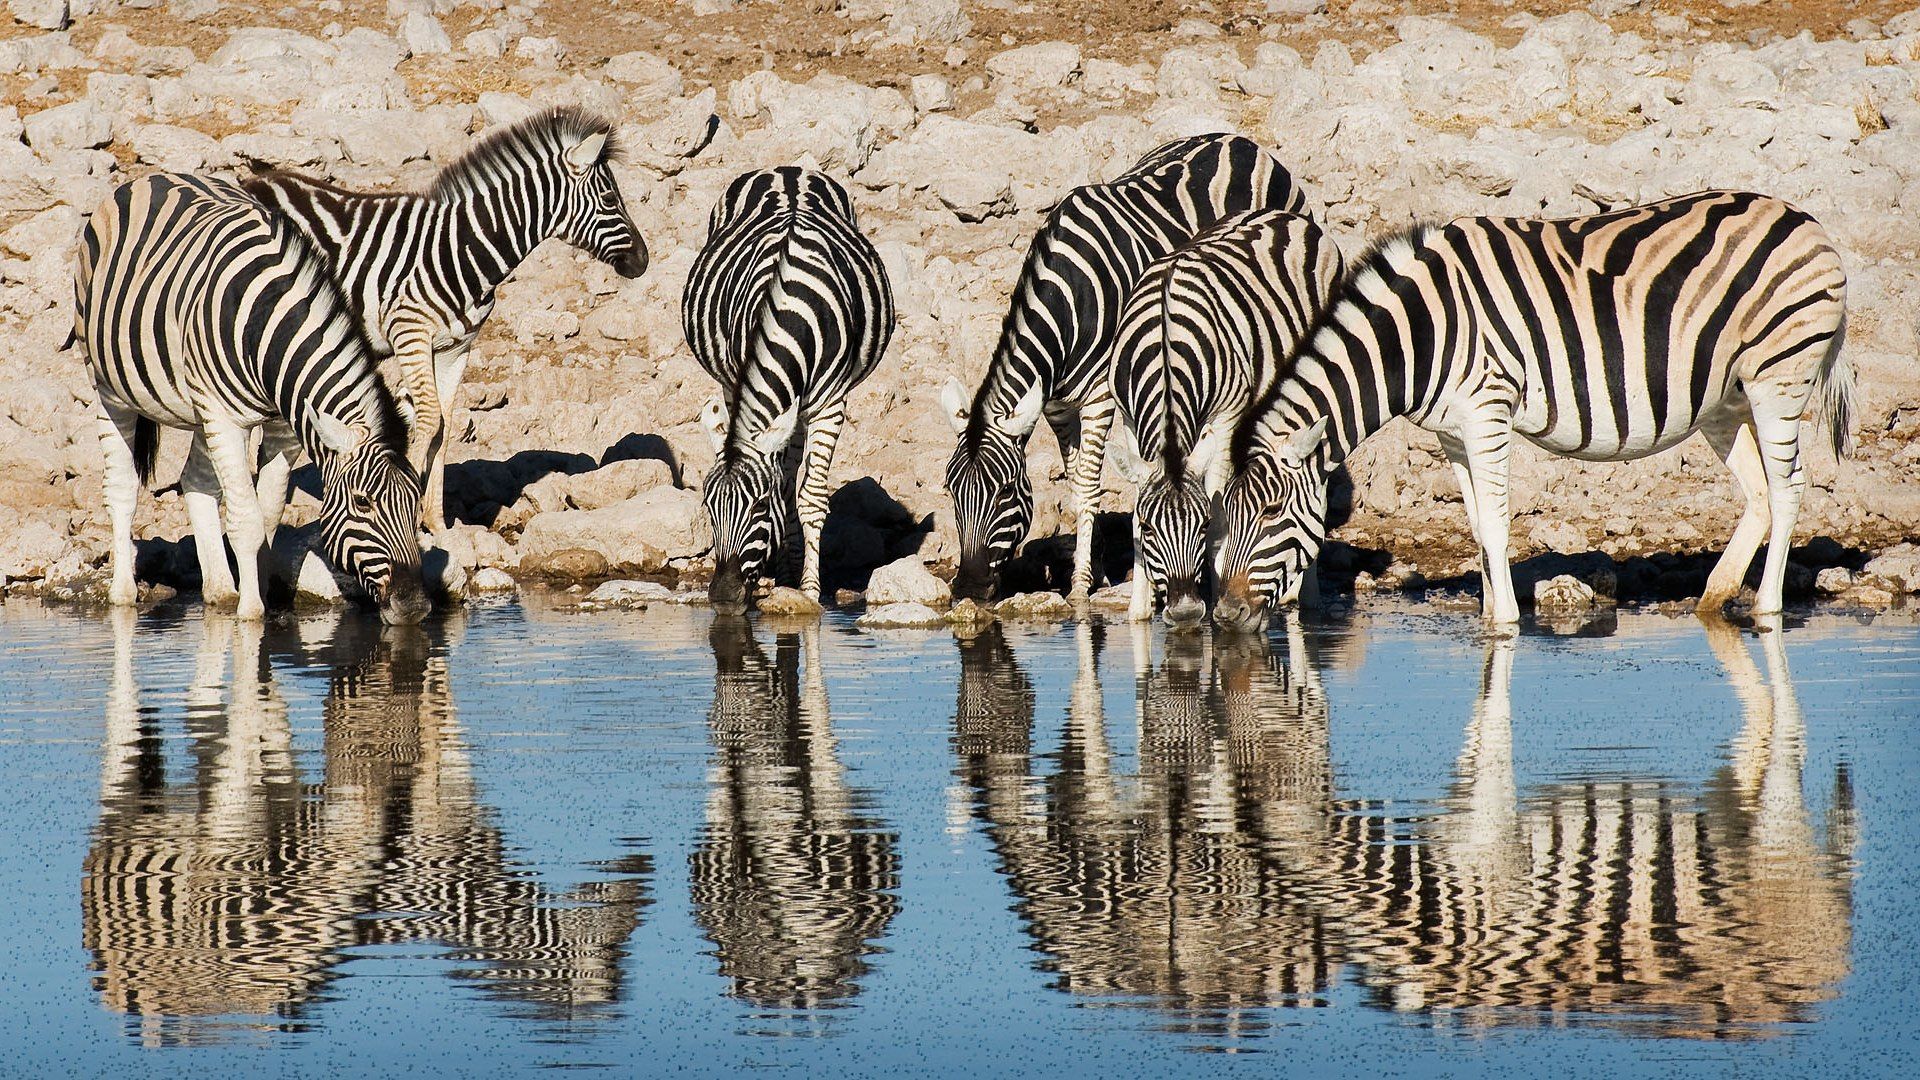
[251, 611]
[220, 599]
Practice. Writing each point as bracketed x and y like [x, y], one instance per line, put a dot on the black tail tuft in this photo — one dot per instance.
[146, 447]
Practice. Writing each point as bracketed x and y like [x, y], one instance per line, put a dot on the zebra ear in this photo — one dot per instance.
[585, 154]
[1124, 451]
[1026, 413]
[779, 432]
[1205, 449]
[1300, 445]
[336, 435]
[953, 398]
[713, 417]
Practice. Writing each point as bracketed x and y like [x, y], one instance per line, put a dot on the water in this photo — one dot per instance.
[645, 842]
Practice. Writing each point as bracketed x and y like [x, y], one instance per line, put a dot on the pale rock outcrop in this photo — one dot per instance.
[907, 581]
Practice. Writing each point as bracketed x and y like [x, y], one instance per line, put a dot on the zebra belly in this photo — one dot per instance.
[1566, 441]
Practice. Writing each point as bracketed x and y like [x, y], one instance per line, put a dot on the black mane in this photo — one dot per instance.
[551, 130]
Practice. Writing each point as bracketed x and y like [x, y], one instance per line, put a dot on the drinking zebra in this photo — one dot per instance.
[787, 307]
[419, 270]
[1052, 355]
[197, 308]
[1205, 328]
[1608, 338]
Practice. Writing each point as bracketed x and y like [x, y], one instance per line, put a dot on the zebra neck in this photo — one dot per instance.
[1347, 392]
[491, 235]
[329, 386]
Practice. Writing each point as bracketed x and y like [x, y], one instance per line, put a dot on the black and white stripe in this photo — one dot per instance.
[198, 309]
[788, 308]
[1052, 355]
[420, 270]
[1608, 337]
[1205, 328]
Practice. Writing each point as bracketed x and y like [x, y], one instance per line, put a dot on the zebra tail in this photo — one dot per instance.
[146, 447]
[1836, 394]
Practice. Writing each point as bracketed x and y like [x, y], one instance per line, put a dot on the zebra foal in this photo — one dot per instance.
[1608, 338]
[1205, 328]
[419, 271]
[787, 306]
[196, 308]
[1051, 359]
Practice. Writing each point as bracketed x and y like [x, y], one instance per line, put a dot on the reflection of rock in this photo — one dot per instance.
[793, 879]
[235, 889]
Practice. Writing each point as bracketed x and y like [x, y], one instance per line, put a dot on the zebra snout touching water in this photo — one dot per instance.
[788, 308]
[197, 308]
[1204, 329]
[419, 270]
[1606, 338]
[1051, 360]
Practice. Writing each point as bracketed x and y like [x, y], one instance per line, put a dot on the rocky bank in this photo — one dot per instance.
[578, 451]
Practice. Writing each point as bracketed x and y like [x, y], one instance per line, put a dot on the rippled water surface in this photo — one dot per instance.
[646, 842]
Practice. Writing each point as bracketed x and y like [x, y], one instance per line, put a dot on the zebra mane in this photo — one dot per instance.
[1368, 267]
[545, 133]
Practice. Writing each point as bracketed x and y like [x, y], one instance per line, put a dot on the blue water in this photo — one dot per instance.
[531, 837]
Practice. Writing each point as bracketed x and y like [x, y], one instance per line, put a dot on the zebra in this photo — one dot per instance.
[419, 270]
[197, 308]
[788, 308]
[1204, 329]
[1607, 337]
[1052, 354]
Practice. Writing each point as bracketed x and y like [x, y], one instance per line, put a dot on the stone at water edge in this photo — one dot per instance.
[492, 579]
[627, 594]
[968, 613]
[1113, 596]
[901, 615]
[907, 581]
[1563, 593]
[1034, 605]
[785, 601]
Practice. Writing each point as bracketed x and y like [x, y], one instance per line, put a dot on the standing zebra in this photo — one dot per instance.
[419, 270]
[1607, 338]
[196, 308]
[1205, 328]
[787, 307]
[1052, 355]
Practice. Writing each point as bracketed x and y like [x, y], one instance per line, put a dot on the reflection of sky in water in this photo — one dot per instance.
[532, 837]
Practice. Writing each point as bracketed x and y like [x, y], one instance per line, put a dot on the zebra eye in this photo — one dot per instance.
[362, 502]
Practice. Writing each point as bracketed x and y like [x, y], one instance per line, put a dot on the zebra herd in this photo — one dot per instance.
[1193, 296]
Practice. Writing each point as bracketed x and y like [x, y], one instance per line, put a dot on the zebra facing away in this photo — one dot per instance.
[1052, 356]
[1607, 338]
[788, 308]
[196, 308]
[1205, 328]
[419, 270]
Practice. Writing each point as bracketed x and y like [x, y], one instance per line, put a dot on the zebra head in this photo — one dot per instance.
[743, 498]
[369, 511]
[992, 493]
[591, 214]
[1272, 523]
[1170, 544]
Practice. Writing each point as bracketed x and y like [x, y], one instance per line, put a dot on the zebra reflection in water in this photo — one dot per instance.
[793, 880]
[234, 886]
[1229, 874]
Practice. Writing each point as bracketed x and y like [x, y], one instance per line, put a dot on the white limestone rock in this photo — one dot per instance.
[891, 616]
[907, 581]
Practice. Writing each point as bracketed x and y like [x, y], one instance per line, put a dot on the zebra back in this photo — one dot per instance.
[1212, 322]
[1094, 246]
[191, 296]
[787, 303]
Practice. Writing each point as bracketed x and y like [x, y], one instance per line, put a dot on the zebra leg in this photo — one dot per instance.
[278, 448]
[1141, 607]
[1457, 457]
[1488, 449]
[1776, 425]
[1096, 417]
[448, 369]
[200, 490]
[227, 448]
[811, 494]
[413, 349]
[1734, 442]
[122, 489]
